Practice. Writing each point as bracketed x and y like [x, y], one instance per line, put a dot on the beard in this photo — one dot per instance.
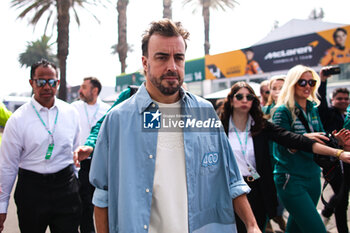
[86, 99]
[172, 87]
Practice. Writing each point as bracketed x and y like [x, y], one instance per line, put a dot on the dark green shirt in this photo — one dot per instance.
[299, 163]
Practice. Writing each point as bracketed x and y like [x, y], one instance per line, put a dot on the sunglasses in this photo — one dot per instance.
[303, 82]
[249, 97]
[42, 82]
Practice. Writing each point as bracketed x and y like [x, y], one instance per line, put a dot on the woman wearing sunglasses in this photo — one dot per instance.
[297, 176]
[249, 134]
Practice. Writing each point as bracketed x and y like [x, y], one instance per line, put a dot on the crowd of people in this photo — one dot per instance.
[86, 161]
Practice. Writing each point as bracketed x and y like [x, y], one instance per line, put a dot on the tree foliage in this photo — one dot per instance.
[57, 12]
[37, 50]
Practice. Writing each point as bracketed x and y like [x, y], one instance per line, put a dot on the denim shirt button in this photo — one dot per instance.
[150, 156]
[145, 227]
[147, 190]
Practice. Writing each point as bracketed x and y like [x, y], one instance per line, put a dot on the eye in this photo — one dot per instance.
[161, 57]
[180, 58]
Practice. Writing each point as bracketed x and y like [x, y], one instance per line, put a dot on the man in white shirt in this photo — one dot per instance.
[90, 109]
[38, 144]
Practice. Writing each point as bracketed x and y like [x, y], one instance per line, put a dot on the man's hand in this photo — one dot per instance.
[322, 75]
[2, 220]
[254, 229]
[343, 137]
[81, 153]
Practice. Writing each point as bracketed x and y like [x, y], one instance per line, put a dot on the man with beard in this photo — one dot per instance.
[38, 144]
[153, 179]
[90, 109]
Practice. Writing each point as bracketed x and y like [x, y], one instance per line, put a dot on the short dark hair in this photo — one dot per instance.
[248, 50]
[163, 27]
[95, 83]
[43, 63]
[339, 30]
[340, 90]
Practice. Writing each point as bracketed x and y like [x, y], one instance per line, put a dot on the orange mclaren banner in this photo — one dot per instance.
[323, 48]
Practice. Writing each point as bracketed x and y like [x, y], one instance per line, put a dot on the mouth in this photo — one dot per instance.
[165, 77]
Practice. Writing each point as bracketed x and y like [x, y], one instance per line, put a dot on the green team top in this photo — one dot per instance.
[4, 114]
[299, 163]
[347, 120]
[267, 108]
[91, 140]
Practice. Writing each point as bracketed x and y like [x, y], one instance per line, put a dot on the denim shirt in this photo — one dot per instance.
[123, 168]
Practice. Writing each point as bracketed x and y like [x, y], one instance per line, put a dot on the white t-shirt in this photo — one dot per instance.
[169, 198]
[89, 115]
[238, 146]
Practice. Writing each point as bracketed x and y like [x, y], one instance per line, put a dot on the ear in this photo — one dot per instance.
[58, 83]
[95, 90]
[31, 83]
[144, 63]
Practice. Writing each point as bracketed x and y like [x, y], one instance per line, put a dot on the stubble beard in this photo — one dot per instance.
[172, 87]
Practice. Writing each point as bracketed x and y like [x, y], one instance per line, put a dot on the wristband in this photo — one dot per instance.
[339, 153]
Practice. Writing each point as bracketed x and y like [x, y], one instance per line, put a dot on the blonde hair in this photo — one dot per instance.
[287, 93]
[274, 78]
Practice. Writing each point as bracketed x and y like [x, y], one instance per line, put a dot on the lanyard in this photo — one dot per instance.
[51, 145]
[42, 121]
[243, 149]
[93, 117]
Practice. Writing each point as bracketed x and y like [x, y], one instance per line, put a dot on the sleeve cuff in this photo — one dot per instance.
[100, 198]
[239, 188]
[3, 207]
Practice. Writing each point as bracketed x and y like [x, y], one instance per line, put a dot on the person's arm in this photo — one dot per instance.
[327, 58]
[101, 219]
[321, 149]
[245, 213]
[4, 114]
[2, 221]
[289, 139]
[10, 158]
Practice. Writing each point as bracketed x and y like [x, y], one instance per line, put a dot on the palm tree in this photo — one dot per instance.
[206, 5]
[61, 8]
[167, 11]
[122, 46]
[37, 50]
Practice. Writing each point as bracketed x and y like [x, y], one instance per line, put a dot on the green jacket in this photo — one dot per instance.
[4, 114]
[267, 109]
[91, 140]
[299, 163]
[347, 120]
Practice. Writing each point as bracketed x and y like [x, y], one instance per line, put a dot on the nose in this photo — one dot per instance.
[47, 85]
[171, 65]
